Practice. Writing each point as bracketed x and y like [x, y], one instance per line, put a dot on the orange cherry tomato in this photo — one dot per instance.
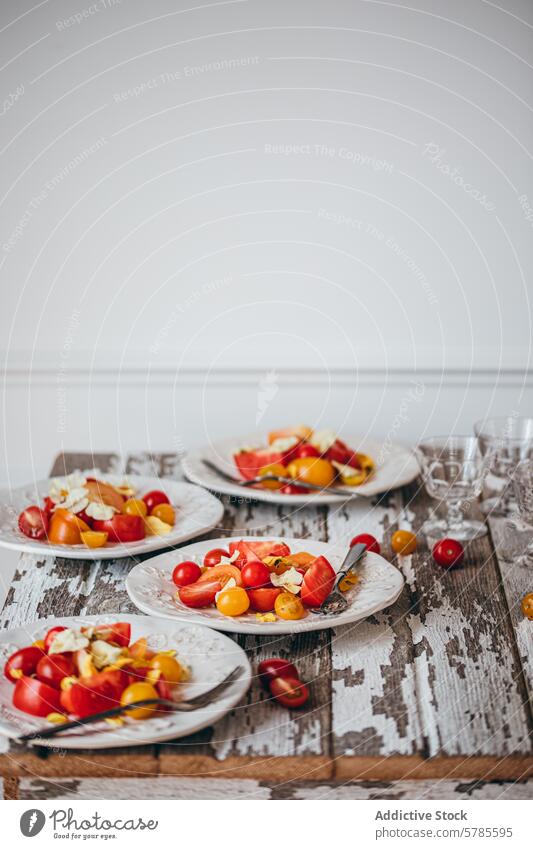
[135, 507]
[527, 605]
[273, 469]
[289, 606]
[165, 512]
[63, 531]
[312, 470]
[403, 542]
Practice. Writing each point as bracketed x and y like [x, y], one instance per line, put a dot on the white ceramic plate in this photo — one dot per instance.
[209, 655]
[197, 512]
[395, 466]
[150, 587]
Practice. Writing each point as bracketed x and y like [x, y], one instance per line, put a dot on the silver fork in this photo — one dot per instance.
[336, 602]
[336, 490]
[197, 702]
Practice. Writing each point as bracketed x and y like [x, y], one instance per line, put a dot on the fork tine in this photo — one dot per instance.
[210, 695]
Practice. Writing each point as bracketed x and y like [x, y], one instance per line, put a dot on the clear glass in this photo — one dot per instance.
[505, 441]
[454, 470]
[522, 484]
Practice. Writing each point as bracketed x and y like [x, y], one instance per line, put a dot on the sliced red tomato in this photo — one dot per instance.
[34, 523]
[276, 667]
[140, 651]
[121, 528]
[153, 498]
[263, 599]
[222, 574]
[341, 453]
[98, 692]
[290, 692]
[269, 548]
[51, 669]
[23, 662]
[35, 697]
[199, 594]
[213, 557]
[318, 582]
[305, 450]
[48, 640]
[48, 505]
[119, 633]
[249, 463]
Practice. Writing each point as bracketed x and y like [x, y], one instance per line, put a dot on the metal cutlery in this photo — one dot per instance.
[336, 601]
[335, 490]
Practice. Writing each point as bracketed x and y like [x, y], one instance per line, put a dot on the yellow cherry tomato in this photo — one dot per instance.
[312, 470]
[366, 463]
[233, 601]
[135, 507]
[273, 469]
[136, 693]
[289, 606]
[94, 539]
[165, 512]
[527, 605]
[403, 542]
[155, 527]
[170, 669]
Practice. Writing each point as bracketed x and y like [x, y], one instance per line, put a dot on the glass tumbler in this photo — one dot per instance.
[523, 489]
[454, 470]
[505, 441]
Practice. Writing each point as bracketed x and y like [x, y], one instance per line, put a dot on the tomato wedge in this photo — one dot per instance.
[199, 594]
[318, 582]
[222, 574]
[23, 662]
[34, 523]
[98, 692]
[33, 696]
[119, 633]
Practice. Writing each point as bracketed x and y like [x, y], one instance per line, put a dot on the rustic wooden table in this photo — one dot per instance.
[429, 699]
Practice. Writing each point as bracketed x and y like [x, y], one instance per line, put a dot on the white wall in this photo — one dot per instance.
[192, 198]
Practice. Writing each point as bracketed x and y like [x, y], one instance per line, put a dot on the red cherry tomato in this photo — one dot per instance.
[97, 692]
[289, 692]
[52, 668]
[448, 553]
[275, 667]
[200, 594]
[305, 450]
[255, 574]
[48, 640]
[213, 557]
[263, 599]
[35, 697]
[186, 573]
[153, 498]
[23, 662]
[121, 528]
[34, 522]
[341, 453]
[371, 542]
[292, 489]
[318, 582]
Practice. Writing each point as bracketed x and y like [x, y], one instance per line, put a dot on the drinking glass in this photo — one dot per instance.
[505, 441]
[454, 470]
[523, 489]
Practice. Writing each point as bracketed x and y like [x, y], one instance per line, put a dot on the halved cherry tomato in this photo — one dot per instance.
[273, 469]
[367, 539]
[263, 599]
[233, 601]
[448, 553]
[186, 573]
[74, 518]
[275, 667]
[171, 671]
[35, 697]
[527, 606]
[23, 662]
[121, 528]
[305, 450]
[137, 693]
[403, 542]
[313, 470]
[213, 557]
[165, 512]
[199, 594]
[255, 574]
[119, 633]
[93, 539]
[34, 523]
[50, 636]
[98, 692]
[135, 507]
[317, 583]
[155, 497]
[222, 574]
[51, 669]
[64, 530]
[289, 606]
[289, 692]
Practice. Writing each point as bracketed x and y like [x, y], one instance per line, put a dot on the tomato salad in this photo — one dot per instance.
[316, 457]
[85, 510]
[260, 576]
[74, 673]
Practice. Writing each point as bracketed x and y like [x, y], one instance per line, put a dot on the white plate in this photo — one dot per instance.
[197, 512]
[150, 587]
[209, 655]
[395, 466]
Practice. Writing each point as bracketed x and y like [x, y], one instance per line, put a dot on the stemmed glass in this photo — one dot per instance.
[454, 470]
[523, 489]
[505, 441]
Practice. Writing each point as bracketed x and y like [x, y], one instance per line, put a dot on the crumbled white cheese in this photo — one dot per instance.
[105, 654]
[323, 439]
[290, 580]
[68, 640]
[61, 487]
[75, 501]
[227, 586]
[346, 471]
[229, 560]
[284, 443]
[99, 511]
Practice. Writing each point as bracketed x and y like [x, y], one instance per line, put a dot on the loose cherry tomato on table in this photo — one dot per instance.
[276, 667]
[23, 662]
[33, 696]
[448, 553]
[367, 539]
[289, 606]
[317, 583]
[34, 523]
[403, 542]
[255, 574]
[199, 594]
[51, 635]
[165, 512]
[186, 573]
[263, 599]
[138, 693]
[51, 669]
[290, 692]
[155, 497]
[527, 605]
[233, 601]
[213, 557]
